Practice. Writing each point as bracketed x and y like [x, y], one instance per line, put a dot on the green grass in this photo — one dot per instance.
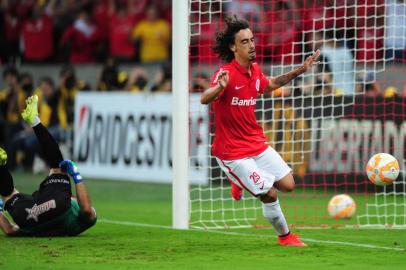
[119, 246]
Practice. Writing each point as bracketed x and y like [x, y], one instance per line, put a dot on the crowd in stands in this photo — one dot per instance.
[56, 103]
[286, 28]
[84, 31]
[139, 31]
[69, 32]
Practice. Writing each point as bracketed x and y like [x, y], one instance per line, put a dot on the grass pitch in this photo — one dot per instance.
[124, 239]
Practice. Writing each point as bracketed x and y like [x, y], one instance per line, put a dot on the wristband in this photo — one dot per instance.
[77, 178]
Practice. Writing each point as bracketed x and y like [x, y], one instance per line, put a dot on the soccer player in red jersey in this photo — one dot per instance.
[239, 143]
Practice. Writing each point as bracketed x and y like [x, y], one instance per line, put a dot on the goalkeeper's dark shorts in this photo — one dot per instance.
[51, 200]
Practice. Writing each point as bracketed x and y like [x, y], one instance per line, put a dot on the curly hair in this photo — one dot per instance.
[226, 37]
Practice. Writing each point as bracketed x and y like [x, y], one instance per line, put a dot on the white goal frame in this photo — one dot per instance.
[180, 114]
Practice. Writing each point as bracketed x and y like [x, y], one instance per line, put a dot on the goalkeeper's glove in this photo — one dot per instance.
[71, 168]
[1, 205]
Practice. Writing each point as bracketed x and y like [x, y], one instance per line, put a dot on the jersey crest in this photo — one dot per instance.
[37, 210]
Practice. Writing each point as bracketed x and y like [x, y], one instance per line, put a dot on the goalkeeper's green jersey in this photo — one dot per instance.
[70, 223]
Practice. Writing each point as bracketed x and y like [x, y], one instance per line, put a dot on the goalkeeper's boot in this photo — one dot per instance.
[291, 240]
[236, 191]
[3, 157]
[31, 110]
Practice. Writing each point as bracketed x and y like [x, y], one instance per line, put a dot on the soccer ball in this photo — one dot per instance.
[341, 207]
[382, 169]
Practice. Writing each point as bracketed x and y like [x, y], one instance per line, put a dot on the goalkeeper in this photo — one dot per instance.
[51, 210]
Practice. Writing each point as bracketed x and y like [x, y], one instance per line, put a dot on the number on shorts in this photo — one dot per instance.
[255, 177]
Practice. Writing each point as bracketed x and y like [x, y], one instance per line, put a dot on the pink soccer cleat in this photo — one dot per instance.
[291, 240]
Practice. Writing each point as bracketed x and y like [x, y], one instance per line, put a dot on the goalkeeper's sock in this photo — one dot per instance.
[50, 148]
[273, 212]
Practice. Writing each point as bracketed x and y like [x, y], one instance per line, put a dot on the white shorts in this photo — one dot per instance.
[256, 174]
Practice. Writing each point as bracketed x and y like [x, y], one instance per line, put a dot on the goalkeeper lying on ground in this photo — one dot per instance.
[51, 210]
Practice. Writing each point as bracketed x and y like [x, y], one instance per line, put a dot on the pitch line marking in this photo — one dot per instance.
[137, 224]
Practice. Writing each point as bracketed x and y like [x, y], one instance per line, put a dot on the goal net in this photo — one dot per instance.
[328, 122]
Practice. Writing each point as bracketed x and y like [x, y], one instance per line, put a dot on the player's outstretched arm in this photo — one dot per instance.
[279, 81]
[84, 202]
[82, 195]
[213, 92]
[6, 226]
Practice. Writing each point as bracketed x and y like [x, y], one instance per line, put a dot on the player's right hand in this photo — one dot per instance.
[71, 168]
[223, 78]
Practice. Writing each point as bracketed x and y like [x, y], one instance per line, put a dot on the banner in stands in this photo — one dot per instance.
[124, 136]
[369, 126]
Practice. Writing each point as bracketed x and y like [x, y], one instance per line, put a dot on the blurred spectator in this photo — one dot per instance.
[48, 104]
[395, 41]
[27, 83]
[64, 14]
[163, 79]
[152, 37]
[249, 10]
[138, 80]
[111, 78]
[101, 13]
[323, 84]
[369, 42]
[339, 59]
[12, 102]
[366, 84]
[83, 39]
[165, 7]
[69, 86]
[312, 13]
[12, 26]
[37, 36]
[3, 52]
[200, 82]
[323, 79]
[202, 44]
[341, 16]
[12, 96]
[328, 15]
[300, 86]
[122, 19]
[26, 141]
[283, 27]
[390, 92]
[369, 33]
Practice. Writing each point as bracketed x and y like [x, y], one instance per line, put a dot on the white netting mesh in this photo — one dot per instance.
[324, 124]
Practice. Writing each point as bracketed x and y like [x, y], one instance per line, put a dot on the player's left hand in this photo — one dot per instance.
[312, 60]
[71, 168]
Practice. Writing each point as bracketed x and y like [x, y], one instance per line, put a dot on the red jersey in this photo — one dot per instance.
[38, 38]
[237, 134]
[119, 38]
[82, 47]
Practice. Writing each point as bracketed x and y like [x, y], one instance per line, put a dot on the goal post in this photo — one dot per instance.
[180, 114]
